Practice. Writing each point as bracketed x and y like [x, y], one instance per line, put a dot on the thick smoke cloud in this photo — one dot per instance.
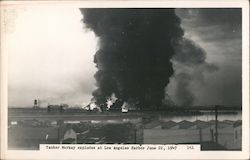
[183, 92]
[139, 51]
[189, 64]
[135, 49]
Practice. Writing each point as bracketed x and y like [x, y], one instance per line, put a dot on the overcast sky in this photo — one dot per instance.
[50, 55]
[218, 32]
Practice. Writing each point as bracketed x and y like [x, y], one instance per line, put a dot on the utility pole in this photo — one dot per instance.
[216, 125]
[135, 135]
[200, 134]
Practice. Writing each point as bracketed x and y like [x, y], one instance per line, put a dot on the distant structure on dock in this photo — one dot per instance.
[36, 104]
[57, 108]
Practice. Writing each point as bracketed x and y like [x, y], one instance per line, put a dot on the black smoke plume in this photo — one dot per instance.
[135, 49]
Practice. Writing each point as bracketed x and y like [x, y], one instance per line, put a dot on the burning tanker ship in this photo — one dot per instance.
[138, 50]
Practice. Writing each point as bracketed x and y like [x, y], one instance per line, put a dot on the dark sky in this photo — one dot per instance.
[219, 33]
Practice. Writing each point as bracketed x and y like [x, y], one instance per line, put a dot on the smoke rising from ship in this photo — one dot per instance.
[189, 63]
[136, 50]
